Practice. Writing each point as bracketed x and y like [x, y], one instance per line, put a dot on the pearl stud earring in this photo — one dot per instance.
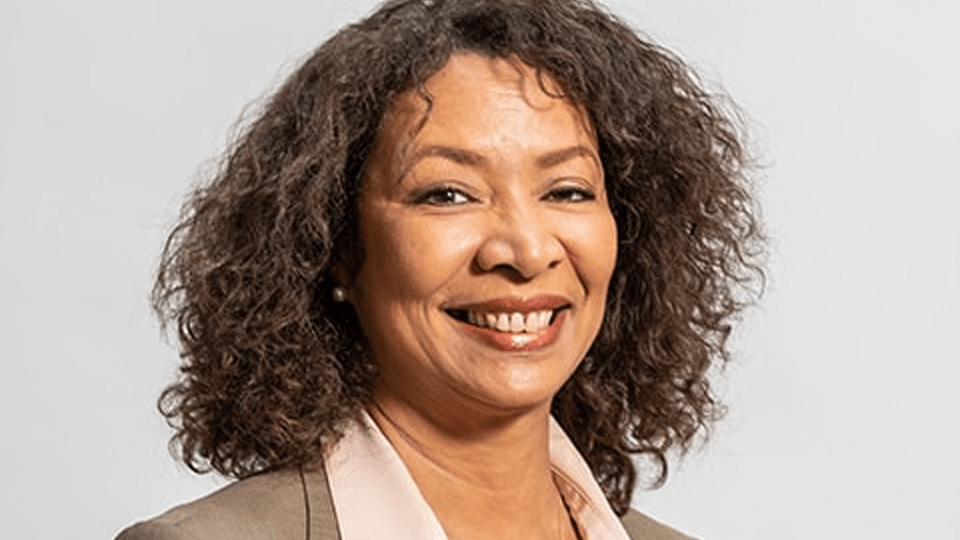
[339, 294]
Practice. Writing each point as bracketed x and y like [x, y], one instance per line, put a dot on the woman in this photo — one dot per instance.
[469, 261]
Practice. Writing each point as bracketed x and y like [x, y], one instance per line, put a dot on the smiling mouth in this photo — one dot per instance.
[533, 322]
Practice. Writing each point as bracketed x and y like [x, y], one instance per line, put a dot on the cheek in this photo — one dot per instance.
[415, 256]
[592, 245]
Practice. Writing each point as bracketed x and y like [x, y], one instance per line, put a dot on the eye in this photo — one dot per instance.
[442, 196]
[570, 194]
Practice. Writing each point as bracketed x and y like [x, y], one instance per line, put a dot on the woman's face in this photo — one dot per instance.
[488, 242]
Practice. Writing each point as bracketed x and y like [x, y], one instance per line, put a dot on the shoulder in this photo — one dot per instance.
[642, 527]
[266, 506]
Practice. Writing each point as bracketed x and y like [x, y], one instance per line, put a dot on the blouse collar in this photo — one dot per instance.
[375, 498]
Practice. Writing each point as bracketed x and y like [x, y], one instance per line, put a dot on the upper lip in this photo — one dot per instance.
[514, 304]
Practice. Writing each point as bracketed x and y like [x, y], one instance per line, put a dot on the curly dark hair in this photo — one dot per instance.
[273, 369]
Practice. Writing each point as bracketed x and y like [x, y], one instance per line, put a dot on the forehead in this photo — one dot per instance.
[474, 93]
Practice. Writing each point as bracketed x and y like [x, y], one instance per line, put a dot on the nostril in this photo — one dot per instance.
[520, 247]
[512, 273]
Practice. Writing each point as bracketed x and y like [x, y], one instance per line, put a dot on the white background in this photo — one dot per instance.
[844, 397]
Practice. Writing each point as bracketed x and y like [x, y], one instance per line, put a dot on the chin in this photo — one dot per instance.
[521, 391]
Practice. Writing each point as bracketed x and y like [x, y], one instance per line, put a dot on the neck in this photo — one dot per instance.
[488, 477]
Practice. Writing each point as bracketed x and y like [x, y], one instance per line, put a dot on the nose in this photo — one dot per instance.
[520, 242]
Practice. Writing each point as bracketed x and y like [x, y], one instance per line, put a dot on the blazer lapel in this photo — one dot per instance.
[323, 518]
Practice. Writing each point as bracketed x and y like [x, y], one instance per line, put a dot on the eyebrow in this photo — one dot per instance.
[457, 155]
[565, 154]
[467, 157]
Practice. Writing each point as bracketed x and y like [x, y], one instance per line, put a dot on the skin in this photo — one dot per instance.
[499, 194]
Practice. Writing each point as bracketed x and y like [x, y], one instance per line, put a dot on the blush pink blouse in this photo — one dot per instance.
[375, 498]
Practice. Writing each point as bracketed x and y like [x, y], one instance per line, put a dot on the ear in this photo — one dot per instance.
[341, 275]
[346, 262]
[341, 282]
[347, 253]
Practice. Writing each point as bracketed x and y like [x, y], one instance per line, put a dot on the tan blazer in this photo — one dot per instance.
[284, 506]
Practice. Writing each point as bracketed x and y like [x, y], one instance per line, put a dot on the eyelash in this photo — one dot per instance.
[447, 196]
[570, 194]
[442, 196]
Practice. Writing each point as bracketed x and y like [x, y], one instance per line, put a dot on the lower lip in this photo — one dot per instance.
[504, 341]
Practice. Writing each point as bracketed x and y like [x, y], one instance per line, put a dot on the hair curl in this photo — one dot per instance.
[273, 368]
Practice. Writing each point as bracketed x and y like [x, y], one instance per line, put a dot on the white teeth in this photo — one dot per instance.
[533, 321]
[515, 323]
